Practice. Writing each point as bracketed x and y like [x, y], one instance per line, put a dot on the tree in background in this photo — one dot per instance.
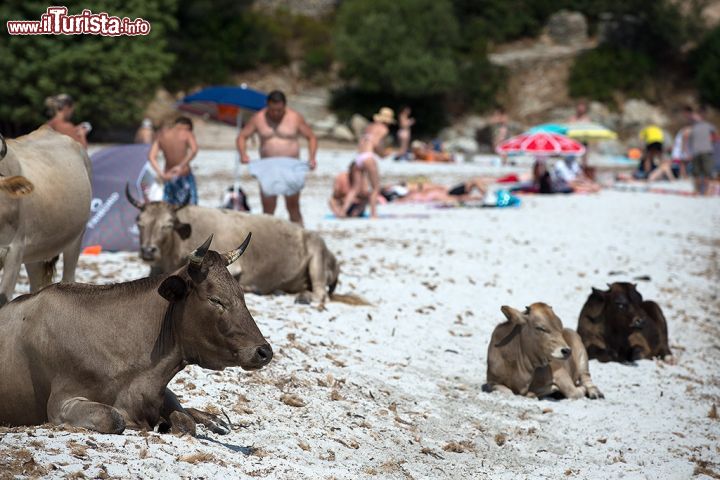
[404, 47]
[111, 78]
[216, 39]
[640, 40]
[706, 62]
[407, 52]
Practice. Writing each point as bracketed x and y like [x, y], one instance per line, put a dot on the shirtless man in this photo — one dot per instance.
[370, 146]
[179, 147]
[60, 108]
[279, 128]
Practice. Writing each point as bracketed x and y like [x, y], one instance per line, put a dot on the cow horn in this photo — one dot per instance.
[197, 255]
[233, 255]
[130, 198]
[3, 148]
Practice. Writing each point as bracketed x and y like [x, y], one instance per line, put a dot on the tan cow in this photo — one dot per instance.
[532, 354]
[283, 256]
[44, 205]
[101, 356]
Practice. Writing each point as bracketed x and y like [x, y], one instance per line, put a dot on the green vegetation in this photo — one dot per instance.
[430, 54]
[410, 52]
[706, 60]
[215, 39]
[640, 40]
[599, 73]
[412, 57]
[111, 77]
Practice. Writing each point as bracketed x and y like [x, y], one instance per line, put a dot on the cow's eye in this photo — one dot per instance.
[217, 302]
[167, 227]
[541, 329]
[622, 306]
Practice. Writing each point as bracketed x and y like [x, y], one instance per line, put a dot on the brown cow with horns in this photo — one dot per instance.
[101, 356]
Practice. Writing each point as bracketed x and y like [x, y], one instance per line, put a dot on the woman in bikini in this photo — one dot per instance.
[365, 163]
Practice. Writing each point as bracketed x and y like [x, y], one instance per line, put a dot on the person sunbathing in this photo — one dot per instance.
[423, 191]
[568, 172]
[427, 152]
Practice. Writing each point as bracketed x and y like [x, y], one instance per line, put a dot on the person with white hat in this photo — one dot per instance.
[365, 162]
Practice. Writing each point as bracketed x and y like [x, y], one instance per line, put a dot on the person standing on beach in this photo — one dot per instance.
[700, 145]
[146, 132]
[60, 109]
[279, 127]
[500, 131]
[405, 122]
[581, 113]
[179, 147]
[365, 164]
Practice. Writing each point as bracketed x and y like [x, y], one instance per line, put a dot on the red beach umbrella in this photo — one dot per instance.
[541, 143]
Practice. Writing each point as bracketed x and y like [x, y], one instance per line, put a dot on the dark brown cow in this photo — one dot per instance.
[616, 325]
[101, 356]
[532, 354]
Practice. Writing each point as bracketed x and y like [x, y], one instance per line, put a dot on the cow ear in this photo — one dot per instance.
[595, 305]
[173, 288]
[183, 229]
[514, 316]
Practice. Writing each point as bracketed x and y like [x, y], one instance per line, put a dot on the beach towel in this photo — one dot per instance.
[382, 216]
[503, 198]
[279, 175]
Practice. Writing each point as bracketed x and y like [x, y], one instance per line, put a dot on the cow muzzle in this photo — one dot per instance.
[148, 254]
[637, 323]
[255, 357]
[562, 353]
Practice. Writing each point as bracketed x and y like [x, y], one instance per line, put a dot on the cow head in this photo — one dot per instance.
[158, 224]
[620, 307]
[540, 331]
[207, 314]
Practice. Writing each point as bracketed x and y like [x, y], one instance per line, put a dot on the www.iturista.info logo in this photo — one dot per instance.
[56, 21]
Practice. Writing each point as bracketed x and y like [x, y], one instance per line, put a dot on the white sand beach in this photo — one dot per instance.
[393, 390]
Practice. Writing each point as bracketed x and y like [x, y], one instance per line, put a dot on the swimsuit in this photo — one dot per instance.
[458, 190]
[179, 189]
[361, 157]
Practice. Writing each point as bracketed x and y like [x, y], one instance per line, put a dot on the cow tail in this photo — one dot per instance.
[349, 299]
[3, 147]
[49, 270]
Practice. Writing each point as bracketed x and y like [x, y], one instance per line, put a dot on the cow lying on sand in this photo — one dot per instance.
[283, 256]
[531, 354]
[616, 325]
[44, 205]
[101, 356]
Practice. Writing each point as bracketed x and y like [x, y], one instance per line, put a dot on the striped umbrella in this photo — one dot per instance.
[541, 143]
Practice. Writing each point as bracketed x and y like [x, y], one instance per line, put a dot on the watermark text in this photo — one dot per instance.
[56, 21]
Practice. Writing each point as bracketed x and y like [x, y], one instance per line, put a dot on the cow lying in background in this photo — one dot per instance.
[283, 256]
[532, 354]
[101, 356]
[616, 325]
